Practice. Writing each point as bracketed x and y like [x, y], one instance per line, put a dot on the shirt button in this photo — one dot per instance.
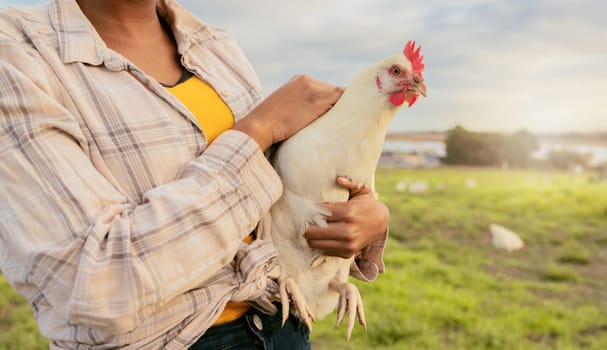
[186, 59]
[225, 92]
[257, 322]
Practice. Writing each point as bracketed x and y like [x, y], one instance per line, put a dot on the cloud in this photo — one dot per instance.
[490, 64]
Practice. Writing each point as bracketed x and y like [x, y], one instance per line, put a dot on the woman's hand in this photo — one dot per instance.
[352, 225]
[288, 109]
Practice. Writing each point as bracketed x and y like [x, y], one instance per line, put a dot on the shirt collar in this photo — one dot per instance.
[80, 42]
[187, 29]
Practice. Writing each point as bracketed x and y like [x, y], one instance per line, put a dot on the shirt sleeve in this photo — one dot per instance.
[68, 235]
[369, 262]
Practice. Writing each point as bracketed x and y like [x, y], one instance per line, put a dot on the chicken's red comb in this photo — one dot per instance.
[414, 56]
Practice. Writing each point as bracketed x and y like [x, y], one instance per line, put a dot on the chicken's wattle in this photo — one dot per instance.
[411, 98]
[397, 98]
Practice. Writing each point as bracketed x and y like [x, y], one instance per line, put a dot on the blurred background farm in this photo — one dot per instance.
[446, 286]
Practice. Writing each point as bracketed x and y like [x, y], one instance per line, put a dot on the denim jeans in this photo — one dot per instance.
[255, 330]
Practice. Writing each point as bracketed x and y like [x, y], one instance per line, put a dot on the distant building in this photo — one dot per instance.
[412, 152]
[408, 160]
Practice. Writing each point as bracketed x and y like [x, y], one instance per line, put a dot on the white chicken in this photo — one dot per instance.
[346, 141]
[502, 238]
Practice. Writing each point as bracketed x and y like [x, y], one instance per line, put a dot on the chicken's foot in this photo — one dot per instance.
[349, 300]
[290, 292]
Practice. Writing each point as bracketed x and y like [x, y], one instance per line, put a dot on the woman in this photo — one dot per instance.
[132, 178]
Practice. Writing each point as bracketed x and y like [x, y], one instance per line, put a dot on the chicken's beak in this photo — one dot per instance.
[414, 90]
[421, 88]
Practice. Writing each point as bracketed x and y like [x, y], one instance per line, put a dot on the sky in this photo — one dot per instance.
[491, 65]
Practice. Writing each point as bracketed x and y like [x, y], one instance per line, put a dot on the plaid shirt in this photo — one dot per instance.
[118, 223]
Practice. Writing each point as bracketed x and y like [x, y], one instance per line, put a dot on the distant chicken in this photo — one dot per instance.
[502, 238]
[346, 141]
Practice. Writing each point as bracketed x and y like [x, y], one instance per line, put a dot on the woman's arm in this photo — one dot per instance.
[69, 235]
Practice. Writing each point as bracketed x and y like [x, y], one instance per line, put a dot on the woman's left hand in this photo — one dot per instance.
[352, 225]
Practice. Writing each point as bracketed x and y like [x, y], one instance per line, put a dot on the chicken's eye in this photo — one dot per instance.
[395, 70]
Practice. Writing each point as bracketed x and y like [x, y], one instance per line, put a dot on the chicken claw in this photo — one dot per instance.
[288, 287]
[351, 301]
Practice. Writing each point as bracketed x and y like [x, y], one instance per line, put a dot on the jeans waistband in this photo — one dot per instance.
[256, 330]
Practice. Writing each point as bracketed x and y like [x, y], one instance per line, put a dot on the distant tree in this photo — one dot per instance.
[489, 149]
[519, 147]
[469, 148]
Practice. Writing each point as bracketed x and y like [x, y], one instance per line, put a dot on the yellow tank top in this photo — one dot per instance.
[214, 117]
[212, 114]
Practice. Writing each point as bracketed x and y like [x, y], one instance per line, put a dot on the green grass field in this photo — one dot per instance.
[446, 287]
